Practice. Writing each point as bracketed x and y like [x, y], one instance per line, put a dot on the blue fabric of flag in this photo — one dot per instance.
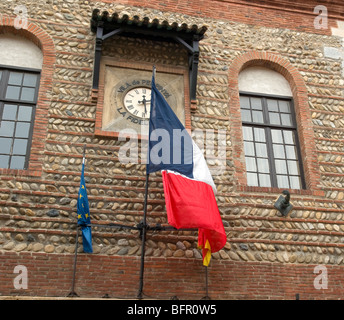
[170, 145]
[83, 213]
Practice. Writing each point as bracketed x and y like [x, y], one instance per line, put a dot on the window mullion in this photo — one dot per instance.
[265, 112]
[298, 150]
[3, 83]
[269, 146]
[299, 159]
[271, 157]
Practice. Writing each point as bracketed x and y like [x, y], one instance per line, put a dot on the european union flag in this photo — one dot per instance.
[83, 212]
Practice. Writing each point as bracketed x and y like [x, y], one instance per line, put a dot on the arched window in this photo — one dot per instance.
[271, 144]
[20, 68]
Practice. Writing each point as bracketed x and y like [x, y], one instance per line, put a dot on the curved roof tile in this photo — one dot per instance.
[113, 21]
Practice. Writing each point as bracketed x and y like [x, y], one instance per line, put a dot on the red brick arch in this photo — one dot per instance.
[303, 115]
[42, 40]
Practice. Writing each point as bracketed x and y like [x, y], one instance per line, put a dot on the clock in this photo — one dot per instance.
[137, 102]
[126, 92]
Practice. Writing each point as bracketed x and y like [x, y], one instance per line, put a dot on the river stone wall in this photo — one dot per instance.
[38, 214]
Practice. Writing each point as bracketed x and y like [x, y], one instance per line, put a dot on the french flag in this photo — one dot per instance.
[188, 185]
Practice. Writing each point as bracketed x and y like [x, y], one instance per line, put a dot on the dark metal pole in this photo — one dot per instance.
[144, 230]
[72, 293]
[206, 297]
[206, 282]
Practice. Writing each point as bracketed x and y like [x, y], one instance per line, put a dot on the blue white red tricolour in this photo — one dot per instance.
[188, 185]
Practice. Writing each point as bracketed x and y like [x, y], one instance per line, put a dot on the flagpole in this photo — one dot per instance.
[143, 230]
[84, 154]
[206, 284]
[72, 293]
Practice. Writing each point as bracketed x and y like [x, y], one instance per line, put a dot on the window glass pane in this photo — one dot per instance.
[272, 105]
[12, 92]
[256, 103]
[259, 135]
[288, 137]
[15, 78]
[247, 133]
[30, 80]
[22, 130]
[279, 151]
[282, 181]
[27, 94]
[246, 115]
[263, 165]
[264, 180]
[245, 102]
[249, 148]
[20, 146]
[251, 164]
[286, 119]
[293, 168]
[4, 161]
[261, 150]
[17, 162]
[10, 112]
[295, 182]
[274, 118]
[5, 145]
[24, 113]
[284, 106]
[6, 128]
[257, 116]
[281, 166]
[252, 179]
[291, 152]
[276, 136]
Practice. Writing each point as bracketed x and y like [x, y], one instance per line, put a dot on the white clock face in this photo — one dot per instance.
[137, 102]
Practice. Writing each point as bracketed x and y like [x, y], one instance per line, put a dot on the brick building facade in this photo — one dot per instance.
[295, 49]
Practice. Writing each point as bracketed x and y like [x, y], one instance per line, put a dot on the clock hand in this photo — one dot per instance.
[144, 102]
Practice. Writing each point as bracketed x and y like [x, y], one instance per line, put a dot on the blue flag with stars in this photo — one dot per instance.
[83, 212]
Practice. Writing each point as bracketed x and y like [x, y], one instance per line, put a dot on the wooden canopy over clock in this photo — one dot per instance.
[106, 26]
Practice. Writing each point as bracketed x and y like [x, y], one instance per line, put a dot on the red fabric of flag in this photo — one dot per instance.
[192, 204]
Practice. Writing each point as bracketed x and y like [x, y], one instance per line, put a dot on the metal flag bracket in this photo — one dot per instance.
[142, 227]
